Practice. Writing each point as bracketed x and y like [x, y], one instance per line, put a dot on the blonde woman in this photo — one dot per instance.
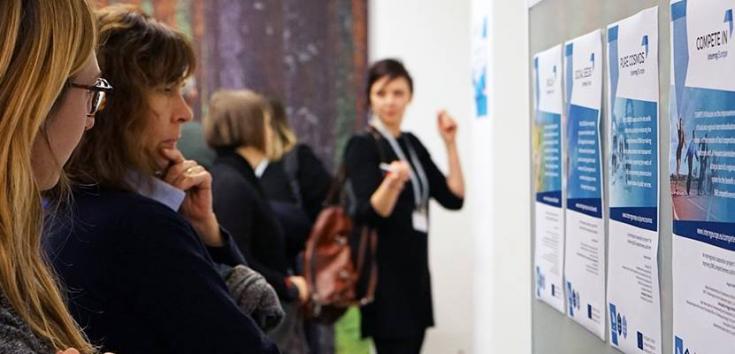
[295, 184]
[297, 175]
[49, 91]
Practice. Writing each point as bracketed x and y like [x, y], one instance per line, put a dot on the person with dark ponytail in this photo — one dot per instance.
[393, 178]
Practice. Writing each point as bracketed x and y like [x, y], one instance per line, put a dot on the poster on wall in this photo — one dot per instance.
[702, 178]
[633, 290]
[584, 267]
[481, 57]
[548, 170]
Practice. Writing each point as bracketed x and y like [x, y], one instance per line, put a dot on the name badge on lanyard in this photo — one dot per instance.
[420, 218]
[419, 181]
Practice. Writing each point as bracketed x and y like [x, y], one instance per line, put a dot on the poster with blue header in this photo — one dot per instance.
[547, 175]
[633, 290]
[584, 263]
[702, 178]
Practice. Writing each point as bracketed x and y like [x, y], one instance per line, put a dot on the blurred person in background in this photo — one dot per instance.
[295, 182]
[192, 143]
[393, 197]
[238, 128]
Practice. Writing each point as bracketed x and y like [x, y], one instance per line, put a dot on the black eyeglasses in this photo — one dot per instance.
[99, 91]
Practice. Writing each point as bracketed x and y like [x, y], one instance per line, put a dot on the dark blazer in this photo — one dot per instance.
[140, 280]
[403, 302]
[242, 209]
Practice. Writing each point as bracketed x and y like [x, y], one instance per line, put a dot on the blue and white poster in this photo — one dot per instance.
[702, 178]
[548, 170]
[633, 290]
[481, 57]
[584, 267]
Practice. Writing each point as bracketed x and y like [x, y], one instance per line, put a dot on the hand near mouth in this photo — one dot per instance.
[196, 181]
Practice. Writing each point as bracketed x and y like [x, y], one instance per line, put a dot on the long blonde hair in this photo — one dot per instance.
[44, 44]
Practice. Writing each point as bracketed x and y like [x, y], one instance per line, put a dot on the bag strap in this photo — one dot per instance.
[291, 167]
[368, 235]
[335, 195]
[377, 138]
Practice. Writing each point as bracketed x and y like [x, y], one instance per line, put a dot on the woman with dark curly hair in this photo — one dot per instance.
[140, 254]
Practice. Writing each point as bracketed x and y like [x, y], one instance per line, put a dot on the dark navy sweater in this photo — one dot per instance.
[139, 280]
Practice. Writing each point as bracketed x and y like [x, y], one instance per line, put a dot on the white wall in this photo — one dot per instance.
[500, 172]
[480, 257]
[510, 233]
[432, 38]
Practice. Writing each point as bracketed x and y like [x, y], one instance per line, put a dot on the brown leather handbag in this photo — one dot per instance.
[339, 259]
[332, 271]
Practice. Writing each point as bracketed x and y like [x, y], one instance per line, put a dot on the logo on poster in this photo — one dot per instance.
[592, 60]
[551, 80]
[573, 299]
[618, 325]
[679, 347]
[585, 72]
[634, 60]
[716, 41]
[540, 281]
[728, 20]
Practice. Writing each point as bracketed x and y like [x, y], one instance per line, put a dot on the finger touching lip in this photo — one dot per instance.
[172, 154]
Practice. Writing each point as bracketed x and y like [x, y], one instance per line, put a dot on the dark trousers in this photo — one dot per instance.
[319, 337]
[408, 345]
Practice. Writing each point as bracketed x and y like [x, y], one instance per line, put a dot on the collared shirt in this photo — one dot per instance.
[157, 190]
